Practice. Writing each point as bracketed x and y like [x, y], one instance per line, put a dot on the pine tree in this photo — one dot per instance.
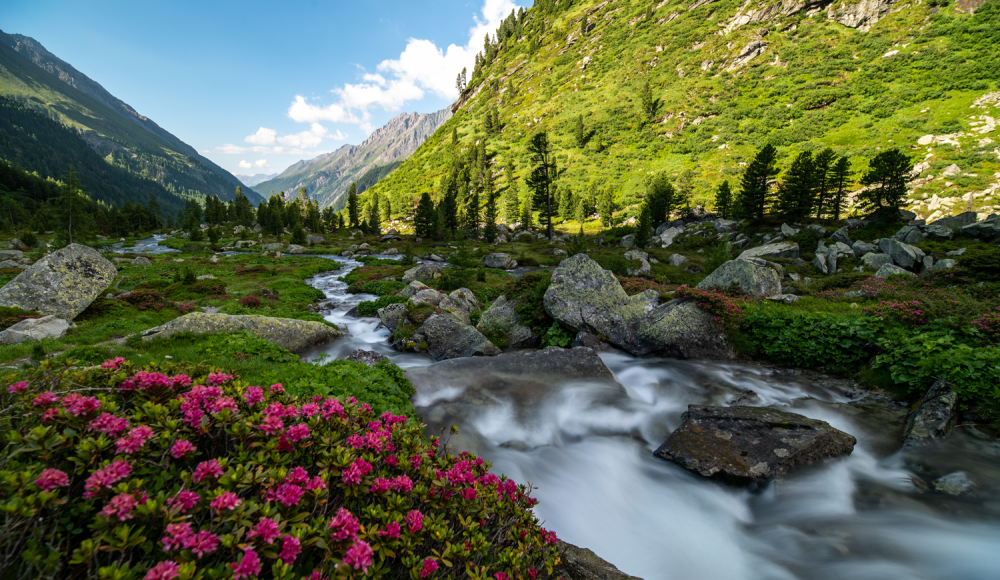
[388, 209]
[454, 137]
[352, 205]
[606, 206]
[661, 197]
[527, 211]
[72, 205]
[472, 221]
[755, 186]
[580, 132]
[647, 102]
[796, 193]
[584, 25]
[724, 201]
[542, 174]
[374, 216]
[580, 213]
[823, 161]
[643, 226]
[511, 206]
[886, 180]
[298, 236]
[840, 180]
[154, 208]
[441, 222]
[490, 218]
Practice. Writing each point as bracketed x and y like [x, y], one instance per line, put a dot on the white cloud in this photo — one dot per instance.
[303, 112]
[244, 164]
[263, 136]
[259, 163]
[232, 149]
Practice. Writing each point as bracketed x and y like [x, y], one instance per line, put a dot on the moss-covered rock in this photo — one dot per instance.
[443, 338]
[752, 275]
[64, 283]
[288, 333]
[501, 319]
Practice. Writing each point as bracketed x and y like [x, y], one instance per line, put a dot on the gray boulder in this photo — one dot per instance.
[751, 274]
[892, 270]
[549, 365]
[788, 231]
[958, 221]
[582, 564]
[288, 333]
[459, 305]
[627, 241]
[366, 357]
[428, 296]
[720, 225]
[956, 483]
[862, 249]
[876, 261]
[587, 340]
[939, 231]
[422, 272]
[986, 229]
[678, 260]
[910, 235]
[744, 445]
[414, 287]
[314, 239]
[11, 254]
[296, 249]
[643, 268]
[10, 264]
[266, 247]
[904, 255]
[501, 319]
[443, 338]
[50, 326]
[63, 283]
[499, 261]
[944, 264]
[843, 235]
[392, 316]
[817, 230]
[141, 261]
[668, 235]
[788, 250]
[934, 418]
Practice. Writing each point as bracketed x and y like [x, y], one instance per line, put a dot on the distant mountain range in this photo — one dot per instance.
[41, 81]
[252, 180]
[327, 177]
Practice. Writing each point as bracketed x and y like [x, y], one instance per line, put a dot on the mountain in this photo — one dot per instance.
[252, 180]
[32, 75]
[727, 77]
[328, 176]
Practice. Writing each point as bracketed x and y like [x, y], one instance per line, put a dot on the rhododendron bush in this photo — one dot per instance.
[118, 472]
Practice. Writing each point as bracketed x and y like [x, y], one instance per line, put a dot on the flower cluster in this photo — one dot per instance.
[910, 312]
[725, 309]
[636, 284]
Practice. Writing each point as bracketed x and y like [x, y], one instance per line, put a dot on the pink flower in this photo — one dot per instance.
[297, 476]
[181, 448]
[402, 484]
[392, 460]
[253, 395]
[549, 537]
[500, 576]
[430, 566]
[176, 536]
[380, 485]
[278, 388]
[344, 525]
[193, 417]
[227, 501]
[185, 500]
[298, 432]
[414, 520]
[182, 381]
[356, 471]
[415, 461]
[50, 479]
[145, 380]
[106, 477]
[120, 507]
[359, 555]
[77, 405]
[135, 440]
[290, 548]
[114, 363]
[266, 529]
[248, 567]
[316, 483]
[202, 543]
[332, 407]
[289, 494]
[309, 409]
[355, 441]
[222, 404]
[218, 378]
[166, 570]
[272, 425]
[45, 399]
[391, 531]
[469, 493]
[17, 387]
[210, 468]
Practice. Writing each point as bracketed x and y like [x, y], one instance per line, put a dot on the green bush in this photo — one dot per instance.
[377, 287]
[614, 263]
[717, 256]
[556, 336]
[371, 307]
[528, 293]
[981, 264]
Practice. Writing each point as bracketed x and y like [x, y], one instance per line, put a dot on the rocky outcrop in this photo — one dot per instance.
[443, 338]
[583, 297]
[891, 270]
[64, 283]
[744, 445]
[366, 357]
[565, 363]
[788, 250]
[499, 261]
[934, 418]
[753, 275]
[583, 564]
[984, 230]
[50, 326]
[876, 261]
[422, 272]
[501, 319]
[638, 263]
[956, 221]
[296, 249]
[411, 289]
[288, 333]
[861, 15]
[905, 255]
[459, 305]
[392, 315]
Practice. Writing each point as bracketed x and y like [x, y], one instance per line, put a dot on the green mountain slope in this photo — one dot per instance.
[728, 77]
[40, 80]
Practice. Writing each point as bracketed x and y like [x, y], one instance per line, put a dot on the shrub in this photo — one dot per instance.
[717, 256]
[371, 307]
[29, 239]
[614, 263]
[99, 307]
[556, 336]
[258, 269]
[298, 236]
[376, 287]
[634, 285]
[250, 302]
[989, 325]
[528, 293]
[11, 315]
[146, 474]
[724, 309]
[207, 287]
[981, 264]
[146, 300]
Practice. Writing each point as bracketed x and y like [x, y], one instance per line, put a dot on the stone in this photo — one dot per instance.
[391, 252]
[15, 243]
[841, 250]
[861, 248]
[784, 298]
[843, 235]
[876, 261]
[250, 243]
[459, 305]
[499, 261]
[270, 247]
[636, 255]
[627, 241]
[892, 270]
[986, 229]
[583, 564]
[668, 235]
[910, 235]
[11, 254]
[366, 357]
[435, 258]
[957, 221]
[314, 239]
[956, 483]
[558, 252]
[50, 326]
[927, 263]
[422, 272]
[443, 338]
[347, 254]
[751, 274]
[587, 340]
[296, 249]
[744, 445]
[787, 250]
[939, 232]
[290, 334]
[549, 365]
[10, 264]
[643, 268]
[206, 277]
[141, 261]
[934, 417]
[501, 319]
[943, 264]
[957, 252]
[364, 246]
[817, 230]
[720, 225]
[904, 255]
[414, 287]
[428, 296]
[788, 231]
[678, 260]
[392, 315]
[63, 283]
[583, 297]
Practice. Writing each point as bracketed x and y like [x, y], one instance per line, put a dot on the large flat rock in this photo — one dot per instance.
[64, 283]
[288, 333]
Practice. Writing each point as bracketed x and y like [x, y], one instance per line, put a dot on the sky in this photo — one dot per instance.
[257, 86]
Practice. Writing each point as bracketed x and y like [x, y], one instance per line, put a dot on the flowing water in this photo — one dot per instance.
[586, 446]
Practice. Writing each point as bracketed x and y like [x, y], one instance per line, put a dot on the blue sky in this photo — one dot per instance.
[257, 86]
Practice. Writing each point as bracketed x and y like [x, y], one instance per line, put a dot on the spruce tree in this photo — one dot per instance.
[584, 25]
[512, 206]
[796, 193]
[423, 220]
[755, 186]
[840, 181]
[441, 222]
[374, 216]
[580, 213]
[542, 174]
[886, 180]
[643, 226]
[527, 211]
[490, 218]
[661, 197]
[823, 162]
[352, 206]
[72, 205]
[580, 132]
[724, 201]
[454, 137]
[606, 206]
[472, 215]
[154, 208]
[647, 102]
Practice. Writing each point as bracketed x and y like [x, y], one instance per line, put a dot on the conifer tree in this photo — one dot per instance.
[606, 206]
[387, 209]
[472, 216]
[724, 201]
[580, 132]
[580, 213]
[72, 203]
[423, 219]
[454, 137]
[490, 218]
[542, 174]
[886, 180]
[647, 102]
[661, 197]
[352, 206]
[154, 209]
[823, 163]
[755, 186]
[512, 206]
[374, 216]
[584, 25]
[441, 222]
[527, 211]
[840, 180]
[797, 191]
[643, 226]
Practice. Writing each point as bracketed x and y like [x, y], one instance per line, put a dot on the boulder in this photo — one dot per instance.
[876, 261]
[314, 239]
[986, 229]
[628, 241]
[892, 270]
[751, 274]
[583, 297]
[499, 261]
[296, 249]
[366, 357]
[843, 235]
[435, 258]
[840, 249]
[428, 296]
[583, 564]
[557, 252]
[904, 255]
[347, 254]
[50, 326]
[784, 298]
[643, 268]
[939, 232]
[956, 483]
[501, 319]
[391, 252]
[11, 254]
[587, 340]
[957, 252]
[817, 230]
[15, 243]
[412, 288]
[744, 445]
[668, 235]
[958, 221]
[251, 243]
[550, 364]
[141, 261]
[444, 339]
[63, 283]
[788, 231]
[910, 235]
[720, 225]
[788, 250]
[392, 315]
[944, 264]
[290, 334]
[934, 417]
[861, 249]
[422, 272]
[678, 260]
[459, 305]
[267, 247]
[10, 264]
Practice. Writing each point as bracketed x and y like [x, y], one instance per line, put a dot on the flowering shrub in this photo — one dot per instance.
[258, 269]
[250, 302]
[989, 325]
[9, 316]
[634, 284]
[146, 300]
[909, 312]
[724, 309]
[129, 473]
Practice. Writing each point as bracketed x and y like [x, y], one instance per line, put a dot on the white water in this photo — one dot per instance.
[587, 448]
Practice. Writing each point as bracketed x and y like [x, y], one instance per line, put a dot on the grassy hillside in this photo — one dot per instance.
[119, 141]
[728, 78]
